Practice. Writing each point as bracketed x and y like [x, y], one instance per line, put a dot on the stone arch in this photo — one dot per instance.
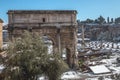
[53, 39]
[49, 43]
[50, 38]
[61, 29]
[67, 56]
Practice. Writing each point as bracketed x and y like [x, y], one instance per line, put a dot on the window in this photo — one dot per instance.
[43, 19]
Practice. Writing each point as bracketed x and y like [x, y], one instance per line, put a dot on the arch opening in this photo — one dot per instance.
[49, 43]
[66, 55]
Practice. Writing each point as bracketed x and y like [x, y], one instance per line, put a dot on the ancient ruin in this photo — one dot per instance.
[59, 25]
[1, 37]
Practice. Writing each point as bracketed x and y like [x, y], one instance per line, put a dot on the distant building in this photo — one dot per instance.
[1, 38]
[5, 36]
[111, 31]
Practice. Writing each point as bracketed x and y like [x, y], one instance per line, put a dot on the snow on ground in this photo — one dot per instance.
[111, 62]
[70, 75]
[91, 79]
[97, 44]
[98, 79]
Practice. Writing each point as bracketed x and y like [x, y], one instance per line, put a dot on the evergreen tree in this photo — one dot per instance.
[108, 21]
[89, 21]
[112, 20]
[27, 58]
[101, 20]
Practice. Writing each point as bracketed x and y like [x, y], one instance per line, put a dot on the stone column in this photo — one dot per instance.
[1, 35]
[73, 59]
[59, 38]
[55, 49]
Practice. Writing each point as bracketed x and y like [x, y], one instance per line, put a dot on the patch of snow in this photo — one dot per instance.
[70, 75]
[99, 69]
[1, 68]
[42, 78]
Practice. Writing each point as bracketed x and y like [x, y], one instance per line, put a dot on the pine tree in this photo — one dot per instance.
[27, 58]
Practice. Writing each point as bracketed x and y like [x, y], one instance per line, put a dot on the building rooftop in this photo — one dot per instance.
[42, 11]
[1, 21]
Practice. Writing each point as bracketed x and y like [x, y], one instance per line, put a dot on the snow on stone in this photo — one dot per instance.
[97, 79]
[70, 75]
[99, 69]
[108, 61]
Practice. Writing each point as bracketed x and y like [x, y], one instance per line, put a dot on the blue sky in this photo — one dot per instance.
[85, 8]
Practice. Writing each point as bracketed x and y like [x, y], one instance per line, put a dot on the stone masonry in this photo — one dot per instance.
[52, 23]
[1, 38]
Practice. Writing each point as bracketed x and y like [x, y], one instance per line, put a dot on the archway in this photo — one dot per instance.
[49, 43]
[66, 56]
[44, 22]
